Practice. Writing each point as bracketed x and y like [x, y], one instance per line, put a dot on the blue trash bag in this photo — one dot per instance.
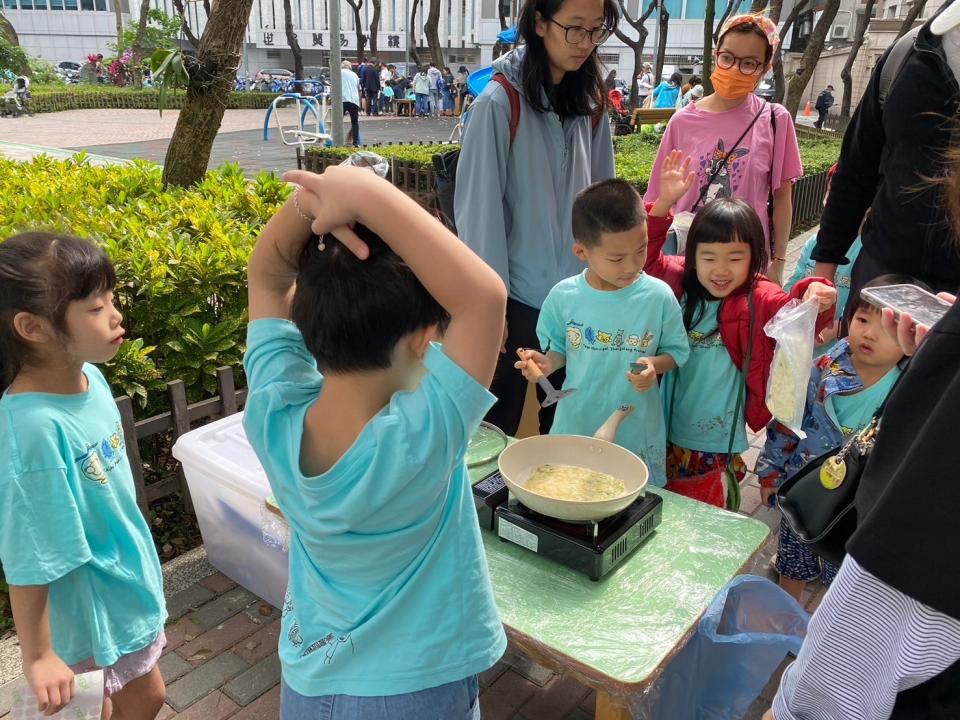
[743, 636]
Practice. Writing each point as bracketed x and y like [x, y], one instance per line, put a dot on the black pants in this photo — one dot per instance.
[509, 385]
[823, 116]
[354, 112]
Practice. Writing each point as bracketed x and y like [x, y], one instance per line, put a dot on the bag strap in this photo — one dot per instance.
[894, 62]
[726, 158]
[742, 390]
[514, 97]
[773, 129]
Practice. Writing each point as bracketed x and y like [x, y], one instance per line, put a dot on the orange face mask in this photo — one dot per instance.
[731, 84]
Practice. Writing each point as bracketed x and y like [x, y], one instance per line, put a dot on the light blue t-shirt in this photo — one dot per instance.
[350, 86]
[389, 591]
[804, 269]
[700, 398]
[69, 520]
[601, 333]
[851, 413]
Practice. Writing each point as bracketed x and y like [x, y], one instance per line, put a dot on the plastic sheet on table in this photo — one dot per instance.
[622, 631]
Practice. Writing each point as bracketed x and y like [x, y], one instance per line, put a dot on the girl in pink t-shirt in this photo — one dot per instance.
[742, 146]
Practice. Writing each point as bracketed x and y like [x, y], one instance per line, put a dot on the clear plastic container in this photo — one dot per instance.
[228, 487]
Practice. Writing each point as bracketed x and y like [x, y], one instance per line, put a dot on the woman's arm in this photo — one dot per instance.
[782, 221]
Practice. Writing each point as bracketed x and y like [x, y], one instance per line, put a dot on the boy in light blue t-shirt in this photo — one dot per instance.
[613, 327]
[361, 422]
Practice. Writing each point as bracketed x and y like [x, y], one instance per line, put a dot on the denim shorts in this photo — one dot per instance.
[454, 701]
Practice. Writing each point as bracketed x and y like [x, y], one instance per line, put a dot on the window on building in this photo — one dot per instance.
[100, 4]
[674, 7]
[56, 4]
[86, 4]
[10, 4]
[26, 4]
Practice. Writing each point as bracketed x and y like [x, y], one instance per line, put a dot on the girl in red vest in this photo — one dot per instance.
[726, 302]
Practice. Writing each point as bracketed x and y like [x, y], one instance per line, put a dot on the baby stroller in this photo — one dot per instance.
[17, 101]
[619, 115]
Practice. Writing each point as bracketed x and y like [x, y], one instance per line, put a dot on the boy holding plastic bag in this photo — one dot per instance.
[845, 388]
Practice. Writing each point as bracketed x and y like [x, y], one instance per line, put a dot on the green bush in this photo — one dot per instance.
[180, 256]
[634, 155]
[59, 97]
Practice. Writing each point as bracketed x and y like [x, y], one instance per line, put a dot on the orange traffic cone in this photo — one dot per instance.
[806, 110]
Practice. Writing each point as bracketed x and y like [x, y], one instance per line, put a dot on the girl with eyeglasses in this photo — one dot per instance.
[742, 146]
[536, 138]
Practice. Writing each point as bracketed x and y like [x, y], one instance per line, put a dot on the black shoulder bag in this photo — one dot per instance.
[818, 501]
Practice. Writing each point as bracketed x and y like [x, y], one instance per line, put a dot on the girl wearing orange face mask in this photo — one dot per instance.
[742, 146]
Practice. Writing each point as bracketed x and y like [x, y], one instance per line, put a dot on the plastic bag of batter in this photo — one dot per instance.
[794, 328]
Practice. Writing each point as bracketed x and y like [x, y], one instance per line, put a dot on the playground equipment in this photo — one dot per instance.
[303, 134]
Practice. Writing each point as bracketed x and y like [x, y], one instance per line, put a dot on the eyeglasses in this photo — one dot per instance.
[747, 66]
[574, 34]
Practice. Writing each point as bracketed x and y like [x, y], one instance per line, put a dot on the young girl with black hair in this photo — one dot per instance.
[85, 582]
[536, 138]
[726, 302]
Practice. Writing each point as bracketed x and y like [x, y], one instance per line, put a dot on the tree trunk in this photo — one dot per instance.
[811, 55]
[779, 81]
[137, 50]
[664, 21]
[503, 18]
[374, 26]
[911, 18]
[292, 40]
[432, 30]
[6, 29]
[776, 7]
[708, 22]
[355, 5]
[845, 75]
[635, 44]
[412, 40]
[211, 81]
[118, 11]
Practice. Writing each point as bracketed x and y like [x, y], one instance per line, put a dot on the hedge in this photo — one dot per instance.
[60, 97]
[180, 255]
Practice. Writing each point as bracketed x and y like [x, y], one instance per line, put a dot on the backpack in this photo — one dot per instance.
[445, 164]
[895, 62]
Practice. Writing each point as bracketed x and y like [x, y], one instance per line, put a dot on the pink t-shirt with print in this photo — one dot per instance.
[708, 136]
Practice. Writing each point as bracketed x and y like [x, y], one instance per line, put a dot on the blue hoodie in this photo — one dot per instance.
[514, 203]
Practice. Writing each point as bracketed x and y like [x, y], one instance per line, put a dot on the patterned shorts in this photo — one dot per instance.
[797, 561]
[699, 475]
[127, 667]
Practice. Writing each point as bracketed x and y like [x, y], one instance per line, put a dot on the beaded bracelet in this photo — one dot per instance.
[296, 205]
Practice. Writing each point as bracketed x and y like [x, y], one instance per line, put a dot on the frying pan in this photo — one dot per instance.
[598, 453]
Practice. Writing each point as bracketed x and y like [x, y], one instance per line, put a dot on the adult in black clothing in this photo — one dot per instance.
[371, 88]
[888, 155]
[823, 105]
[899, 579]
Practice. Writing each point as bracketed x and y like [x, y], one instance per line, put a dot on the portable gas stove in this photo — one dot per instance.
[593, 548]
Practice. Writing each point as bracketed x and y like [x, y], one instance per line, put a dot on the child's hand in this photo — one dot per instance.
[829, 333]
[51, 681]
[540, 360]
[676, 177]
[825, 295]
[767, 494]
[333, 200]
[643, 379]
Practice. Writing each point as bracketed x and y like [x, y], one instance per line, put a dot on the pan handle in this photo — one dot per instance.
[531, 365]
[608, 431]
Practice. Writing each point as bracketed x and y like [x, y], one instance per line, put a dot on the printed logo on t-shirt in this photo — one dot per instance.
[702, 341]
[592, 338]
[101, 457]
[726, 175]
[330, 643]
